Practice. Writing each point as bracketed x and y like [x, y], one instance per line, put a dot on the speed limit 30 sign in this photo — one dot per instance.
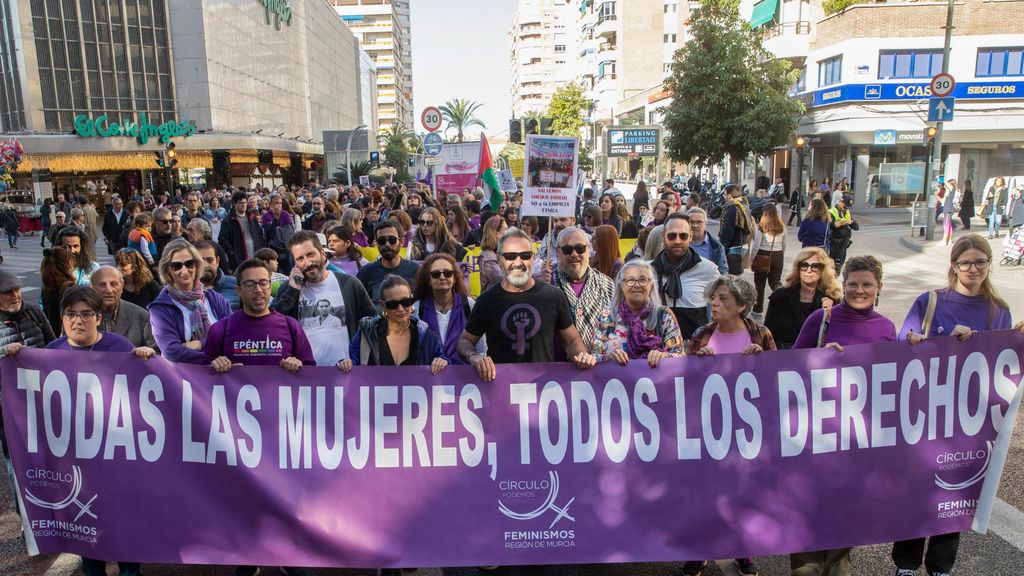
[431, 119]
[942, 85]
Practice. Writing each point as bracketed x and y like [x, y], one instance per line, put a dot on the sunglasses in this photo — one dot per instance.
[671, 236]
[816, 266]
[436, 274]
[511, 256]
[426, 222]
[577, 248]
[177, 266]
[404, 303]
[387, 240]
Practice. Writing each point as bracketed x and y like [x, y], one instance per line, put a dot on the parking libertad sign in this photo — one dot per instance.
[633, 141]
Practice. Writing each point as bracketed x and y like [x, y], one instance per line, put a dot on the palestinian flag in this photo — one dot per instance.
[488, 176]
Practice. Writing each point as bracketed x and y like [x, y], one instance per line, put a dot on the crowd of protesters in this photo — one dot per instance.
[196, 272]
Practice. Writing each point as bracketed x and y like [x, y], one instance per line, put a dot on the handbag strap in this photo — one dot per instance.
[929, 314]
[823, 329]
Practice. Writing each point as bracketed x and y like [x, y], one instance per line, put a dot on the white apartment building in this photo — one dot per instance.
[384, 31]
[543, 45]
[865, 79]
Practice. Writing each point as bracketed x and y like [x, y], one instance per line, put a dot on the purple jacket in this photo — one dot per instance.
[169, 325]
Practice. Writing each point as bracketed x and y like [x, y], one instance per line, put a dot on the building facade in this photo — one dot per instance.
[865, 74]
[108, 83]
[543, 43]
[384, 31]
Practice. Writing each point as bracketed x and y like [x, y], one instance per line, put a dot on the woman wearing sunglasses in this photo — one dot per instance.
[395, 337]
[443, 302]
[184, 311]
[810, 285]
[969, 303]
[432, 237]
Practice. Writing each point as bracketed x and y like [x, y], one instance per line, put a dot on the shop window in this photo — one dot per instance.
[999, 62]
[830, 71]
[909, 63]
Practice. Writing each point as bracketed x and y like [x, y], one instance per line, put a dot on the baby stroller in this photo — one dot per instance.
[1013, 251]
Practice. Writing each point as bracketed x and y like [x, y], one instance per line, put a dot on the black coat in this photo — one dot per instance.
[785, 315]
[113, 227]
[232, 241]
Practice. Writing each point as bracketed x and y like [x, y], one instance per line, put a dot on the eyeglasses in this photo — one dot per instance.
[671, 236]
[577, 248]
[177, 266]
[253, 285]
[436, 274]
[641, 282]
[426, 222]
[387, 240]
[404, 303]
[812, 266]
[965, 265]
[511, 256]
[164, 221]
[85, 316]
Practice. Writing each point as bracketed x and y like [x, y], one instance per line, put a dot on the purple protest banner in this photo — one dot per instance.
[718, 457]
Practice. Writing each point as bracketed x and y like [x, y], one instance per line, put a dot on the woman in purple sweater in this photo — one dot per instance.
[852, 322]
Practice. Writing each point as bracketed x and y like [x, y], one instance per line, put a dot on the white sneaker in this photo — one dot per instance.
[905, 572]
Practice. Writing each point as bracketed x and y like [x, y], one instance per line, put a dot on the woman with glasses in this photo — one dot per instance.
[490, 270]
[432, 236]
[968, 304]
[637, 326]
[443, 302]
[183, 312]
[395, 337]
[81, 314]
[139, 286]
[810, 285]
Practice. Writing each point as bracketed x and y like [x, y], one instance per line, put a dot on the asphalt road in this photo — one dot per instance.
[911, 267]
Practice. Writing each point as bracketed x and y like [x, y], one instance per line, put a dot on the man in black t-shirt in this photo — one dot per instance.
[389, 243]
[520, 316]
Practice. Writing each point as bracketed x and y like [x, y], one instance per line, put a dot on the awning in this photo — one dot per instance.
[764, 12]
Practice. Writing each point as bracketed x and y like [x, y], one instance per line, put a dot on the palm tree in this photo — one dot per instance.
[460, 115]
[358, 169]
[398, 134]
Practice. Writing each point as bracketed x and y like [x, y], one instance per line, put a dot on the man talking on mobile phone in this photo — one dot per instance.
[327, 304]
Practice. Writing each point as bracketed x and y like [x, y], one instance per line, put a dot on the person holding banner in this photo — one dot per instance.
[587, 290]
[548, 250]
[854, 321]
[969, 303]
[683, 274]
[520, 316]
[443, 302]
[731, 331]
[637, 325]
[810, 285]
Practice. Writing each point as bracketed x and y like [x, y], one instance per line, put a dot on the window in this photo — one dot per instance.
[909, 63]
[1000, 62]
[830, 71]
[801, 81]
[559, 48]
[670, 8]
[668, 68]
[606, 11]
[670, 38]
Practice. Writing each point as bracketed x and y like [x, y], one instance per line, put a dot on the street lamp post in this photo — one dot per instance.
[348, 152]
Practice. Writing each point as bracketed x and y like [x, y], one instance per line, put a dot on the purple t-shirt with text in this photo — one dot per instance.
[258, 341]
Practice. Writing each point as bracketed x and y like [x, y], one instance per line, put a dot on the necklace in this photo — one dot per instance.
[445, 308]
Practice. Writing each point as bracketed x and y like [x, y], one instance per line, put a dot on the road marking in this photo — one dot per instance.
[64, 565]
[1008, 523]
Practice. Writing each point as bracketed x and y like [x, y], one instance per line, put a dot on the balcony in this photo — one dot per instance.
[607, 48]
[607, 26]
[788, 40]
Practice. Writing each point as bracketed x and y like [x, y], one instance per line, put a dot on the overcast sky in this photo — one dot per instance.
[460, 49]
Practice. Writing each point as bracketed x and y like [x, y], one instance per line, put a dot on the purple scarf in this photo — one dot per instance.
[639, 342]
[199, 321]
[456, 322]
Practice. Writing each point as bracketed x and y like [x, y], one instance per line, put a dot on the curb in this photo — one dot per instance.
[911, 244]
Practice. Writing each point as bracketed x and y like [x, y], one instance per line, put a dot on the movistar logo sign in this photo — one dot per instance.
[280, 10]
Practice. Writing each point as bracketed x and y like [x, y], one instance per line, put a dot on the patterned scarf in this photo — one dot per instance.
[638, 342]
[596, 296]
[192, 300]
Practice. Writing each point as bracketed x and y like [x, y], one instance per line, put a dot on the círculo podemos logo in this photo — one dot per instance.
[957, 471]
[55, 490]
[532, 499]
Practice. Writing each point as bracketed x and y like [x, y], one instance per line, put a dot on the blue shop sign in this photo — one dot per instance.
[915, 91]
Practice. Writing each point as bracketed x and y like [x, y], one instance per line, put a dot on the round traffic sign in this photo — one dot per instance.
[942, 85]
[432, 144]
[431, 119]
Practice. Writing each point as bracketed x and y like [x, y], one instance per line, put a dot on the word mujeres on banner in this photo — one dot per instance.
[702, 457]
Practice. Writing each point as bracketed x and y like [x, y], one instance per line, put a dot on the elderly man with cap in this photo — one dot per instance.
[21, 325]
[120, 317]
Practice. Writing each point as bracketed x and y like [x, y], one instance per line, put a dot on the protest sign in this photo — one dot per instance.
[703, 457]
[551, 165]
[460, 168]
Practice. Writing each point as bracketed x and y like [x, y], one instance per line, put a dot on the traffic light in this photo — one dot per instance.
[515, 131]
[545, 126]
[531, 126]
[171, 155]
[929, 135]
[160, 159]
[375, 158]
[801, 143]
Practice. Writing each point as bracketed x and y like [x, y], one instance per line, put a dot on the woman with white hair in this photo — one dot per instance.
[637, 325]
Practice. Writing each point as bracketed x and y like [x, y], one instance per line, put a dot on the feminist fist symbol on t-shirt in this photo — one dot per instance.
[520, 323]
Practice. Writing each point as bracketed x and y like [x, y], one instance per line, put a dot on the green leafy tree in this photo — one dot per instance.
[460, 115]
[730, 96]
[568, 112]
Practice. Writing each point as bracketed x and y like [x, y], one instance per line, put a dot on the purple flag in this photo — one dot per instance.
[714, 457]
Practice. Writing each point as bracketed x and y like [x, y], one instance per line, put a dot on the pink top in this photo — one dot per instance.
[577, 287]
[725, 343]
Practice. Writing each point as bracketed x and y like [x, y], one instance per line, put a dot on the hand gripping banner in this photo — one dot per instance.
[717, 457]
